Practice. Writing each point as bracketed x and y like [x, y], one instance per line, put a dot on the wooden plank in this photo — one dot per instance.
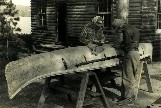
[135, 4]
[149, 27]
[81, 10]
[81, 13]
[100, 89]
[135, 1]
[44, 93]
[76, 22]
[80, 3]
[83, 87]
[148, 79]
[135, 20]
[79, 19]
[79, 16]
[78, 6]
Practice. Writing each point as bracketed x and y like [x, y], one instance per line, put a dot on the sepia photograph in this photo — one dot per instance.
[80, 53]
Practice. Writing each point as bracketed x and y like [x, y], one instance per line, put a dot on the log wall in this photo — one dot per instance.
[47, 34]
[148, 27]
[79, 13]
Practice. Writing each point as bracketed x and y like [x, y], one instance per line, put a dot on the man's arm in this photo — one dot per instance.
[136, 38]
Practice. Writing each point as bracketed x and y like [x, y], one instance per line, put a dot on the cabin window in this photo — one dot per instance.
[104, 10]
[42, 13]
[159, 15]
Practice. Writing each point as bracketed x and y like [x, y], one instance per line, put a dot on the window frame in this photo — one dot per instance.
[104, 14]
[41, 14]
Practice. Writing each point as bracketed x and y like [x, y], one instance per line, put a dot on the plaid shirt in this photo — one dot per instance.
[90, 34]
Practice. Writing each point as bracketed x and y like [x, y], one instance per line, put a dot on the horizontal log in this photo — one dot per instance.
[134, 8]
[74, 34]
[150, 17]
[81, 10]
[51, 14]
[51, 10]
[33, 17]
[34, 3]
[148, 31]
[148, 38]
[79, 16]
[81, 13]
[34, 8]
[135, 24]
[76, 22]
[75, 25]
[51, 3]
[80, 3]
[148, 11]
[33, 26]
[135, 20]
[51, 17]
[36, 29]
[156, 45]
[53, 38]
[48, 41]
[34, 12]
[135, 1]
[134, 12]
[51, 22]
[149, 8]
[53, 7]
[149, 23]
[50, 37]
[79, 19]
[51, 25]
[135, 4]
[80, 6]
[34, 22]
[74, 31]
[131, 13]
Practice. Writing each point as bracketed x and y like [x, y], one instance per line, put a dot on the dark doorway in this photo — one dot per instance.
[61, 12]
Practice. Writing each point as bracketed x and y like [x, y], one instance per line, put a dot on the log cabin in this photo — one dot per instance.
[60, 22]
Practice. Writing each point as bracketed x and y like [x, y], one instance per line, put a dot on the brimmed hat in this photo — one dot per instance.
[118, 22]
[98, 20]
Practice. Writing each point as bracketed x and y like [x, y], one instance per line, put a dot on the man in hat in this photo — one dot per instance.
[129, 43]
[92, 35]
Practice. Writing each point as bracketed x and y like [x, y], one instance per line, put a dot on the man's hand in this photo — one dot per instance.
[95, 49]
[99, 42]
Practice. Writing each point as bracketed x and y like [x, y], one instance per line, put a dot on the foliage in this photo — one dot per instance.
[10, 43]
[9, 20]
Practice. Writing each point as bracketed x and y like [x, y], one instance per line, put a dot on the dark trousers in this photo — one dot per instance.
[130, 75]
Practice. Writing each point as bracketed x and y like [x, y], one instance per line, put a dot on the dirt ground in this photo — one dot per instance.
[29, 96]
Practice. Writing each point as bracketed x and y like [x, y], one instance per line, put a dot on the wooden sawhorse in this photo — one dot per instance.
[146, 73]
[83, 87]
